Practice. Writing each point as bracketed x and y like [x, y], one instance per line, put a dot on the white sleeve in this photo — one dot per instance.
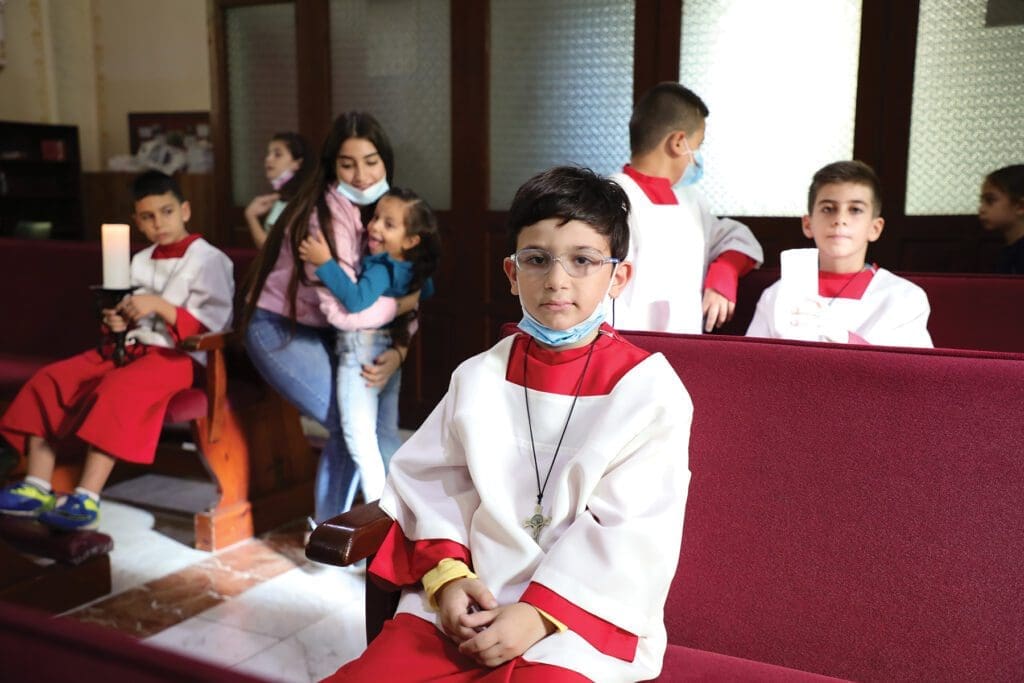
[211, 289]
[761, 324]
[725, 234]
[907, 323]
[429, 490]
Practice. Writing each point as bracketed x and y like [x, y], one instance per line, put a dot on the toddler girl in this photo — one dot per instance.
[404, 246]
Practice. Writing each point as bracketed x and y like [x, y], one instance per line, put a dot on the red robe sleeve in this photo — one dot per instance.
[725, 272]
[401, 562]
[605, 636]
[186, 325]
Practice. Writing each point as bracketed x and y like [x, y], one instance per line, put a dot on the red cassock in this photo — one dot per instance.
[120, 410]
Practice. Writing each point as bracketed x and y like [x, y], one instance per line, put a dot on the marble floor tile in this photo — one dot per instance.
[290, 602]
[140, 553]
[217, 643]
[160, 603]
[141, 613]
[316, 651]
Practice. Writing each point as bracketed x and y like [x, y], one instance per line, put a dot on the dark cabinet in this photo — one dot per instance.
[40, 181]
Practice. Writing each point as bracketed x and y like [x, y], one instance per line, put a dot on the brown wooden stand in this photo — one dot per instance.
[77, 568]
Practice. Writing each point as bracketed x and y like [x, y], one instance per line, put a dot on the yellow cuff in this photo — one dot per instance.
[446, 570]
[554, 622]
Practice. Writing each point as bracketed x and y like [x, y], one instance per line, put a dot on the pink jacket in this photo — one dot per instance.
[314, 305]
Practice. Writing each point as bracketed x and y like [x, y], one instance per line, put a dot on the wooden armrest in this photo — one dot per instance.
[216, 377]
[349, 537]
[211, 341]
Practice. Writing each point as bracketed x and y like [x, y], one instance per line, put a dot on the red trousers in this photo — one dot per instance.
[411, 649]
[120, 411]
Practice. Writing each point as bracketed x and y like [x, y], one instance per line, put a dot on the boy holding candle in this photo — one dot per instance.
[183, 286]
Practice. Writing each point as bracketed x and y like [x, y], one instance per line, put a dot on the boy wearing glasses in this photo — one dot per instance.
[552, 474]
[690, 261]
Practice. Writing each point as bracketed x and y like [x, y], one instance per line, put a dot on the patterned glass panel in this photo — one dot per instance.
[561, 88]
[393, 59]
[262, 94]
[968, 112]
[782, 97]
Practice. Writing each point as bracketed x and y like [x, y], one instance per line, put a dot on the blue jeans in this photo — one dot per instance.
[301, 366]
[369, 415]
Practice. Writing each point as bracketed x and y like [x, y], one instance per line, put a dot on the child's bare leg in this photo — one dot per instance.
[98, 466]
[41, 459]
[81, 510]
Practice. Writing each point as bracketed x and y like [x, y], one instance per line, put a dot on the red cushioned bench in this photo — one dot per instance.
[854, 512]
[969, 311]
[250, 439]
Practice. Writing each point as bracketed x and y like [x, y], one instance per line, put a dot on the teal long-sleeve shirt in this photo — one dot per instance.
[382, 275]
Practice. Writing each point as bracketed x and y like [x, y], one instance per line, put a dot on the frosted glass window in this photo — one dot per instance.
[561, 88]
[780, 80]
[262, 94]
[393, 60]
[968, 111]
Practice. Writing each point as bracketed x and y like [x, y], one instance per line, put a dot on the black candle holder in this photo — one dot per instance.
[109, 298]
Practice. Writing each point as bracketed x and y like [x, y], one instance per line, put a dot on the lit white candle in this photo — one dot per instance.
[116, 256]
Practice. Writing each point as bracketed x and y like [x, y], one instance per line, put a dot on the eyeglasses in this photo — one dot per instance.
[578, 263]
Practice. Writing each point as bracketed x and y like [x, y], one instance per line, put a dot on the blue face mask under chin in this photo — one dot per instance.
[556, 338]
[694, 170]
[362, 197]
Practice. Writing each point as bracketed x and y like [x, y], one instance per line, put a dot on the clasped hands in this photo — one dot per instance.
[131, 310]
[490, 633]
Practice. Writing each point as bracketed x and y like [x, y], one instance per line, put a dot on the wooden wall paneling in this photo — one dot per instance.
[313, 63]
[454, 323]
[220, 121]
[885, 86]
[656, 35]
[107, 198]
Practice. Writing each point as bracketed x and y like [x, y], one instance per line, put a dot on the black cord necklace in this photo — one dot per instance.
[537, 521]
[845, 285]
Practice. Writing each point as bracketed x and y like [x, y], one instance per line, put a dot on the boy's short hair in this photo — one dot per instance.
[1010, 180]
[856, 172]
[155, 182]
[665, 108]
[572, 193]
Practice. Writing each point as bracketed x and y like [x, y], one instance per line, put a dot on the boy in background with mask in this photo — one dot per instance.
[555, 467]
[688, 261]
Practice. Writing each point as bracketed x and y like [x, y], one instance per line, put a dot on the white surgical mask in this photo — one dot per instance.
[363, 197]
[278, 182]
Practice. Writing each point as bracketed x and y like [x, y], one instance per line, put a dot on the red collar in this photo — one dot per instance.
[658, 189]
[558, 372]
[845, 285]
[176, 250]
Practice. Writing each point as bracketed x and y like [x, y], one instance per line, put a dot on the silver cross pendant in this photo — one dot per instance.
[536, 522]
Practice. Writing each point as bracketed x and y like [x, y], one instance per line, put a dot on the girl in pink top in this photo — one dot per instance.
[286, 334]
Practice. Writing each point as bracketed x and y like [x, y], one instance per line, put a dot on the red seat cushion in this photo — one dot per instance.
[15, 370]
[186, 406]
[684, 664]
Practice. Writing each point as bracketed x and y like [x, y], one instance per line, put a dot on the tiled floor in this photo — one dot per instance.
[258, 606]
